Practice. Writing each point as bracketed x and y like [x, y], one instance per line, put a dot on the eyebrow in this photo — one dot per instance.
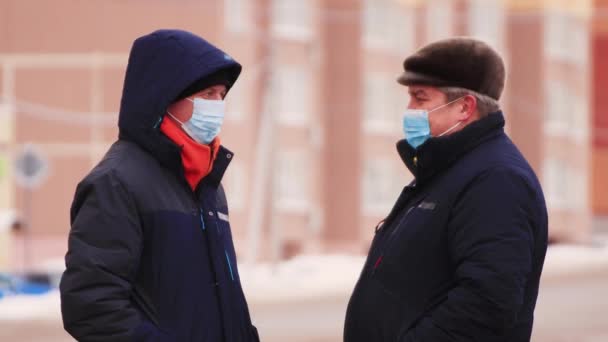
[418, 93]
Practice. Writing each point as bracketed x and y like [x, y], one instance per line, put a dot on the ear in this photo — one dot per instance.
[469, 107]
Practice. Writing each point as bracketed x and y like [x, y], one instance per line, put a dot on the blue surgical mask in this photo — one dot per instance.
[416, 125]
[206, 121]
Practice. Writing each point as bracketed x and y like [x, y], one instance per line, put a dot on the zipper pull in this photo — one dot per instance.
[202, 220]
[378, 262]
[229, 265]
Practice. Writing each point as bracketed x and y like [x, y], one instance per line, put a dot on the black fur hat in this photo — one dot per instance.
[456, 62]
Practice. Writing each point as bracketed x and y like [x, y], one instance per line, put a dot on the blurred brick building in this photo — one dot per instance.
[315, 116]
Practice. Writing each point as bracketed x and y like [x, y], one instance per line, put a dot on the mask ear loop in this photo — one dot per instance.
[456, 125]
[450, 129]
[445, 104]
[174, 118]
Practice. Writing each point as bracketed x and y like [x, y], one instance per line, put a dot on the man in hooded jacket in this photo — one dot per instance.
[150, 252]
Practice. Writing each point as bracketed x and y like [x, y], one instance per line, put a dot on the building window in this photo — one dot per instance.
[579, 42]
[383, 180]
[384, 103]
[388, 24]
[566, 38]
[439, 20]
[557, 107]
[567, 110]
[564, 185]
[293, 95]
[237, 100]
[555, 35]
[487, 22]
[292, 182]
[235, 186]
[580, 116]
[555, 179]
[292, 19]
[238, 15]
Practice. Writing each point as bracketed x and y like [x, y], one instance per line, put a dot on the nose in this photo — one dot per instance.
[412, 105]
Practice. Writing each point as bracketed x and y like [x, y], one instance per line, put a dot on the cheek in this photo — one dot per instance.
[436, 123]
[182, 110]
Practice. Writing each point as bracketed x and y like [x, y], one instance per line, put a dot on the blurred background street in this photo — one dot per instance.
[304, 300]
[313, 121]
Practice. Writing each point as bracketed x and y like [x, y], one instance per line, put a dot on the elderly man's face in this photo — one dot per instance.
[429, 98]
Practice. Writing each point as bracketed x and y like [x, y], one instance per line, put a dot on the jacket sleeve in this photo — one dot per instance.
[491, 246]
[104, 247]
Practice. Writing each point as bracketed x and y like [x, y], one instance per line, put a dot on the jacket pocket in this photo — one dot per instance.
[148, 332]
[442, 295]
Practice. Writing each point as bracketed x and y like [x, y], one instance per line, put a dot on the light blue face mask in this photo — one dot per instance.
[206, 121]
[416, 125]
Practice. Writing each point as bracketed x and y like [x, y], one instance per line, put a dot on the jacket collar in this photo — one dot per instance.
[168, 154]
[220, 165]
[437, 154]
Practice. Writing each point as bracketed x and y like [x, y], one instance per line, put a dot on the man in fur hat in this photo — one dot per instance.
[460, 255]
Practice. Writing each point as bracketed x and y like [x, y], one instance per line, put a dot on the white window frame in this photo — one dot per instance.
[388, 25]
[292, 174]
[238, 15]
[556, 97]
[380, 191]
[566, 37]
[580, 42]
[382, 94]
[238, 101]
[562, 185]
[439, 20]
[556, 35]
[293, 19]
[568, 112]
[487, 22]
[293, 95]
[553, 186]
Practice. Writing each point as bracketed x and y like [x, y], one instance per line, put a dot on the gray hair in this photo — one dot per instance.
[485, 104]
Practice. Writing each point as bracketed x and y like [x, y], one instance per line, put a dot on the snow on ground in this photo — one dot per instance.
[575, 261]
[30, 307]
[308, 277]
[316, 277]
[301, 278]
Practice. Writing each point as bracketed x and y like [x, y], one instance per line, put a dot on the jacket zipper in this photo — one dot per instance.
[228, 262]
[206, 239]
[202, 219]
[387, 245]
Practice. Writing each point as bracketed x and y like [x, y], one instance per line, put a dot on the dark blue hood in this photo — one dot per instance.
[161, 65]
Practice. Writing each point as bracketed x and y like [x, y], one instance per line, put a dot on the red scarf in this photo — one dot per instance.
[197, 158]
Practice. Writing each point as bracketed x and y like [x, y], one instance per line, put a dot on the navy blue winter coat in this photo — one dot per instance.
[149, 259]
[460, 255]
